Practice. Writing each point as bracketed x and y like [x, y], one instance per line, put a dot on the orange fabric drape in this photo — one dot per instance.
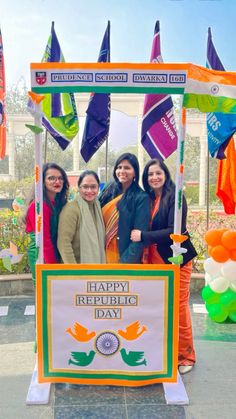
[111, 216]
[226, 179]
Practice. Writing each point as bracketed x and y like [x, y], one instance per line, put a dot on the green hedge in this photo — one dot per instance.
[192, 195]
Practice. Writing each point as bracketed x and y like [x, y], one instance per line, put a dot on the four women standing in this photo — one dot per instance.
[124, 231]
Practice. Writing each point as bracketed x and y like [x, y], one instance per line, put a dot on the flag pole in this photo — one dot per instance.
[208, 191]
[38, 172]
[179, 174]
[45, 146]
[109, 60]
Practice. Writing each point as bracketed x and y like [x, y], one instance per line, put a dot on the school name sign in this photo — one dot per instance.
[108, 78]
[107, 324]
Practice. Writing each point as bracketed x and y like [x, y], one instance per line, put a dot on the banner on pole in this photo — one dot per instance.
[159, 136]
[107, 324]
[97, 121]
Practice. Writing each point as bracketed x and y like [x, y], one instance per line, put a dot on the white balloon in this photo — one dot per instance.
[208, 279]
[212, 267]
[233, 286]
[228, 270]
[219, 285]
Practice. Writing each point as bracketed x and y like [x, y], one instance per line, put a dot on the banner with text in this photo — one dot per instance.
[107, 324]
[108, 78]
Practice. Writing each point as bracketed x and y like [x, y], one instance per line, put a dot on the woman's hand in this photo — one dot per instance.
[135, 235]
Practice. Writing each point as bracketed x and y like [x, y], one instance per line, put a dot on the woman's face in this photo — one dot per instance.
[53, 182]
[125, 173]
[156, 177]
[89, 188]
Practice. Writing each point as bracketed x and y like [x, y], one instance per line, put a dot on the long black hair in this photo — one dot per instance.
[168, 187]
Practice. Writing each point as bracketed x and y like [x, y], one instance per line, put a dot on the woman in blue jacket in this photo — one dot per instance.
[158, 184]
[125, 206]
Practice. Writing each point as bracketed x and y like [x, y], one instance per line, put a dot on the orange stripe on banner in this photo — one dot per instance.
[211, 76]
[181, 168]
[125, 66]
[111, 266]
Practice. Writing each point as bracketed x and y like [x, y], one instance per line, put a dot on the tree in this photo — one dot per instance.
[17, 98]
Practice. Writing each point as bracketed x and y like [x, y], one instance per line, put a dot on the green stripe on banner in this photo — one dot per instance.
[45, 322]
[207, 103]
[108, 89]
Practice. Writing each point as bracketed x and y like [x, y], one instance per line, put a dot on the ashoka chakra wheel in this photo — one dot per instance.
[107, 343]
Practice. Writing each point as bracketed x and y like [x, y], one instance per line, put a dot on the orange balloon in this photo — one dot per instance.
[213, 237]
[228, 239]
[220, 253]
[233, 255]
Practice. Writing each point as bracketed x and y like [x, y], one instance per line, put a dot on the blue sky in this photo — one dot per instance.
[80, 26]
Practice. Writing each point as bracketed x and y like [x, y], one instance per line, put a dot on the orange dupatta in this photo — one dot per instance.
[111, 217]
[150, 254]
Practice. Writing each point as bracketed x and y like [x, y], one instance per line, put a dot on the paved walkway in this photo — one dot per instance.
[210, 386]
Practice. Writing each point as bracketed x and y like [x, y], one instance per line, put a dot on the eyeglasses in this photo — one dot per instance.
[53, 179]
[87, 187]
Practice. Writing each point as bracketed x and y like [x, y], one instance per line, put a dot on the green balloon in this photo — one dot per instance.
[233, 306]
[232, 315]
[210, 296]
[228, 298]
[218, 313]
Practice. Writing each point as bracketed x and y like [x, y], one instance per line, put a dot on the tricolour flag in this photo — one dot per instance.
[210, 90]
[2, 103]
[159, 137]
[220, 127]
[97, 122]
[60, 116]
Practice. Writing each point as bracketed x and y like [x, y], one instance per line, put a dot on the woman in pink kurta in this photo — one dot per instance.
[55, 189]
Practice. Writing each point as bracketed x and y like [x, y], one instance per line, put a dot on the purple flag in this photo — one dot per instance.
[97, 122]
[159, 137]
[220, 127]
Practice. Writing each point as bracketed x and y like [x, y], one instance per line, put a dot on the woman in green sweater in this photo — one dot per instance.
[81, 232]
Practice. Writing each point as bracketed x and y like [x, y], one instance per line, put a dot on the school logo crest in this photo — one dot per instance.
[41, 77]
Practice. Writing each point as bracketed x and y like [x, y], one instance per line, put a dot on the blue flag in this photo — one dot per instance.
[60, 116]
[220, 127]
[97, 122]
